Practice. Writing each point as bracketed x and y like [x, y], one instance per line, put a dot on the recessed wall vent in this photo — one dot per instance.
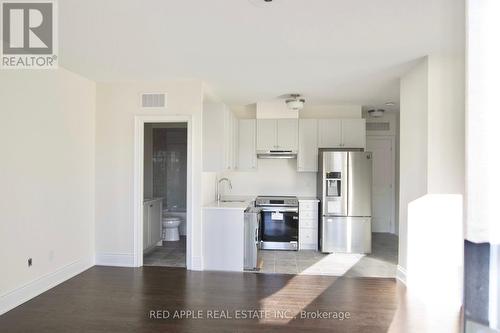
[378, 126]
[154, 100]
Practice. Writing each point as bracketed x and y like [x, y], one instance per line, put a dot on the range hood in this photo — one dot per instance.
[289, 154]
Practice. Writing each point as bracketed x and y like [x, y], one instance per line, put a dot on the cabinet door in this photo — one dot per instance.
[234, 141]
[287, 134]
[307, 158]
[214, 153]
[227, 144]
[145, 225]
[353, 133]
[218, 137]
[266, 134]
[247, 157]
[330, 133]
[155, 222]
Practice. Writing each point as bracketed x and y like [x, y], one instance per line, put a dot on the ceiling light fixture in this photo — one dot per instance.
[262, 3]
[295, 102]
[376, 113]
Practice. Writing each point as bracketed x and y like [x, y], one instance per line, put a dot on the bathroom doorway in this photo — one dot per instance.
[165, 194]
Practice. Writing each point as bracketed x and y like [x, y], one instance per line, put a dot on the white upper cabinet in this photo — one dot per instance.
[353, 133]
[277, 134]
[266, 134]
[247, 158]
[218, 137]
[330, 133]
[341, 133]
[307, 158]
[287, 134]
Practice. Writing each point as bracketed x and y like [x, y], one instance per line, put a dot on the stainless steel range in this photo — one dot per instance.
[279, 228]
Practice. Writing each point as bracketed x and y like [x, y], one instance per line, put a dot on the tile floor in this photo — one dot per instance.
[171, 254]
[381, 262]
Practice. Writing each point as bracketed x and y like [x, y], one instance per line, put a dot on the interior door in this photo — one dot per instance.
[145, 226]
[155, 222]
[383, 188]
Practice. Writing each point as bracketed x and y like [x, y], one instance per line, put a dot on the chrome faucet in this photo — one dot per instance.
[218, 185]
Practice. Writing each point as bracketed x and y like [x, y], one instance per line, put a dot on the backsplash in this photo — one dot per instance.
[272, 177]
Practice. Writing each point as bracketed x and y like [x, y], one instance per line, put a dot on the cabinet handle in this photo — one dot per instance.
[150, 205]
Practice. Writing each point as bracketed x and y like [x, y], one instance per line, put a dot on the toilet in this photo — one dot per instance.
[170, 227]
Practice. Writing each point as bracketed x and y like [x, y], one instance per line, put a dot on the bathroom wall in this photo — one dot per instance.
[170, 166]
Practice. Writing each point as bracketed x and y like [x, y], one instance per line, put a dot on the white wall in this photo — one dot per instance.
[483, 119]
[272, 177]
[331, 111]
[413, 146]
[446, 123]
[277, 109]
[47, 180]
[432, 134]
[117, 105]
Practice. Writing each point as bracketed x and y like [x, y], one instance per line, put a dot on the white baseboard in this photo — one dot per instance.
[114, 259]
[18, 296]
[196, 264]
[401, 274]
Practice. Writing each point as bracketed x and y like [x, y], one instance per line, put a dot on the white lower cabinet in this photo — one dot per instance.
[308, 224]
[151, 223]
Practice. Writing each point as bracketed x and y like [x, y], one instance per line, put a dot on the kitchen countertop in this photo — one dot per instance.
[308, 199]
[238, 203]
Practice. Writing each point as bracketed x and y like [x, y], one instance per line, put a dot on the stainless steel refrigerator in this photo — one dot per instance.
[345, 189]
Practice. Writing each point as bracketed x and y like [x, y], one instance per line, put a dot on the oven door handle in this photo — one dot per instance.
[280, 210]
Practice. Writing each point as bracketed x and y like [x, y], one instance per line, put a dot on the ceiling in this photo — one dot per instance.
[332, 51]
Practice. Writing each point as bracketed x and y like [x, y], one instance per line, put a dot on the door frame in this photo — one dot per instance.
[140, 121]
[392, 138]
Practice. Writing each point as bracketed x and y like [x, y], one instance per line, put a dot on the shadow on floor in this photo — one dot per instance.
[382, 262]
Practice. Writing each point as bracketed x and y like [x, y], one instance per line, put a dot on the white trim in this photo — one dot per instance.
[114, 259]
[393, 192]
[18, 296]
[401, 274]
[140, 120]
[197, 264]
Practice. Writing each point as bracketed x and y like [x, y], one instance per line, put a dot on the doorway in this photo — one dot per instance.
[163, 191]
[164, 194]
[383, 191]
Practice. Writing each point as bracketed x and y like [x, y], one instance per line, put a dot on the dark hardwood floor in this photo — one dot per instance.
[108, 299]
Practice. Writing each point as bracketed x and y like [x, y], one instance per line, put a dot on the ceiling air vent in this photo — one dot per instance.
[378, 126]
[154, 100]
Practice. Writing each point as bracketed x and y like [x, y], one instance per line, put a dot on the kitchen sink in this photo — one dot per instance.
[232, 201]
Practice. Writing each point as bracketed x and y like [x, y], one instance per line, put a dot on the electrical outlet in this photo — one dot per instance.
[30, 262]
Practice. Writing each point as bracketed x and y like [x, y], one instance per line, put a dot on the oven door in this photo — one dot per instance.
[279, 228]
